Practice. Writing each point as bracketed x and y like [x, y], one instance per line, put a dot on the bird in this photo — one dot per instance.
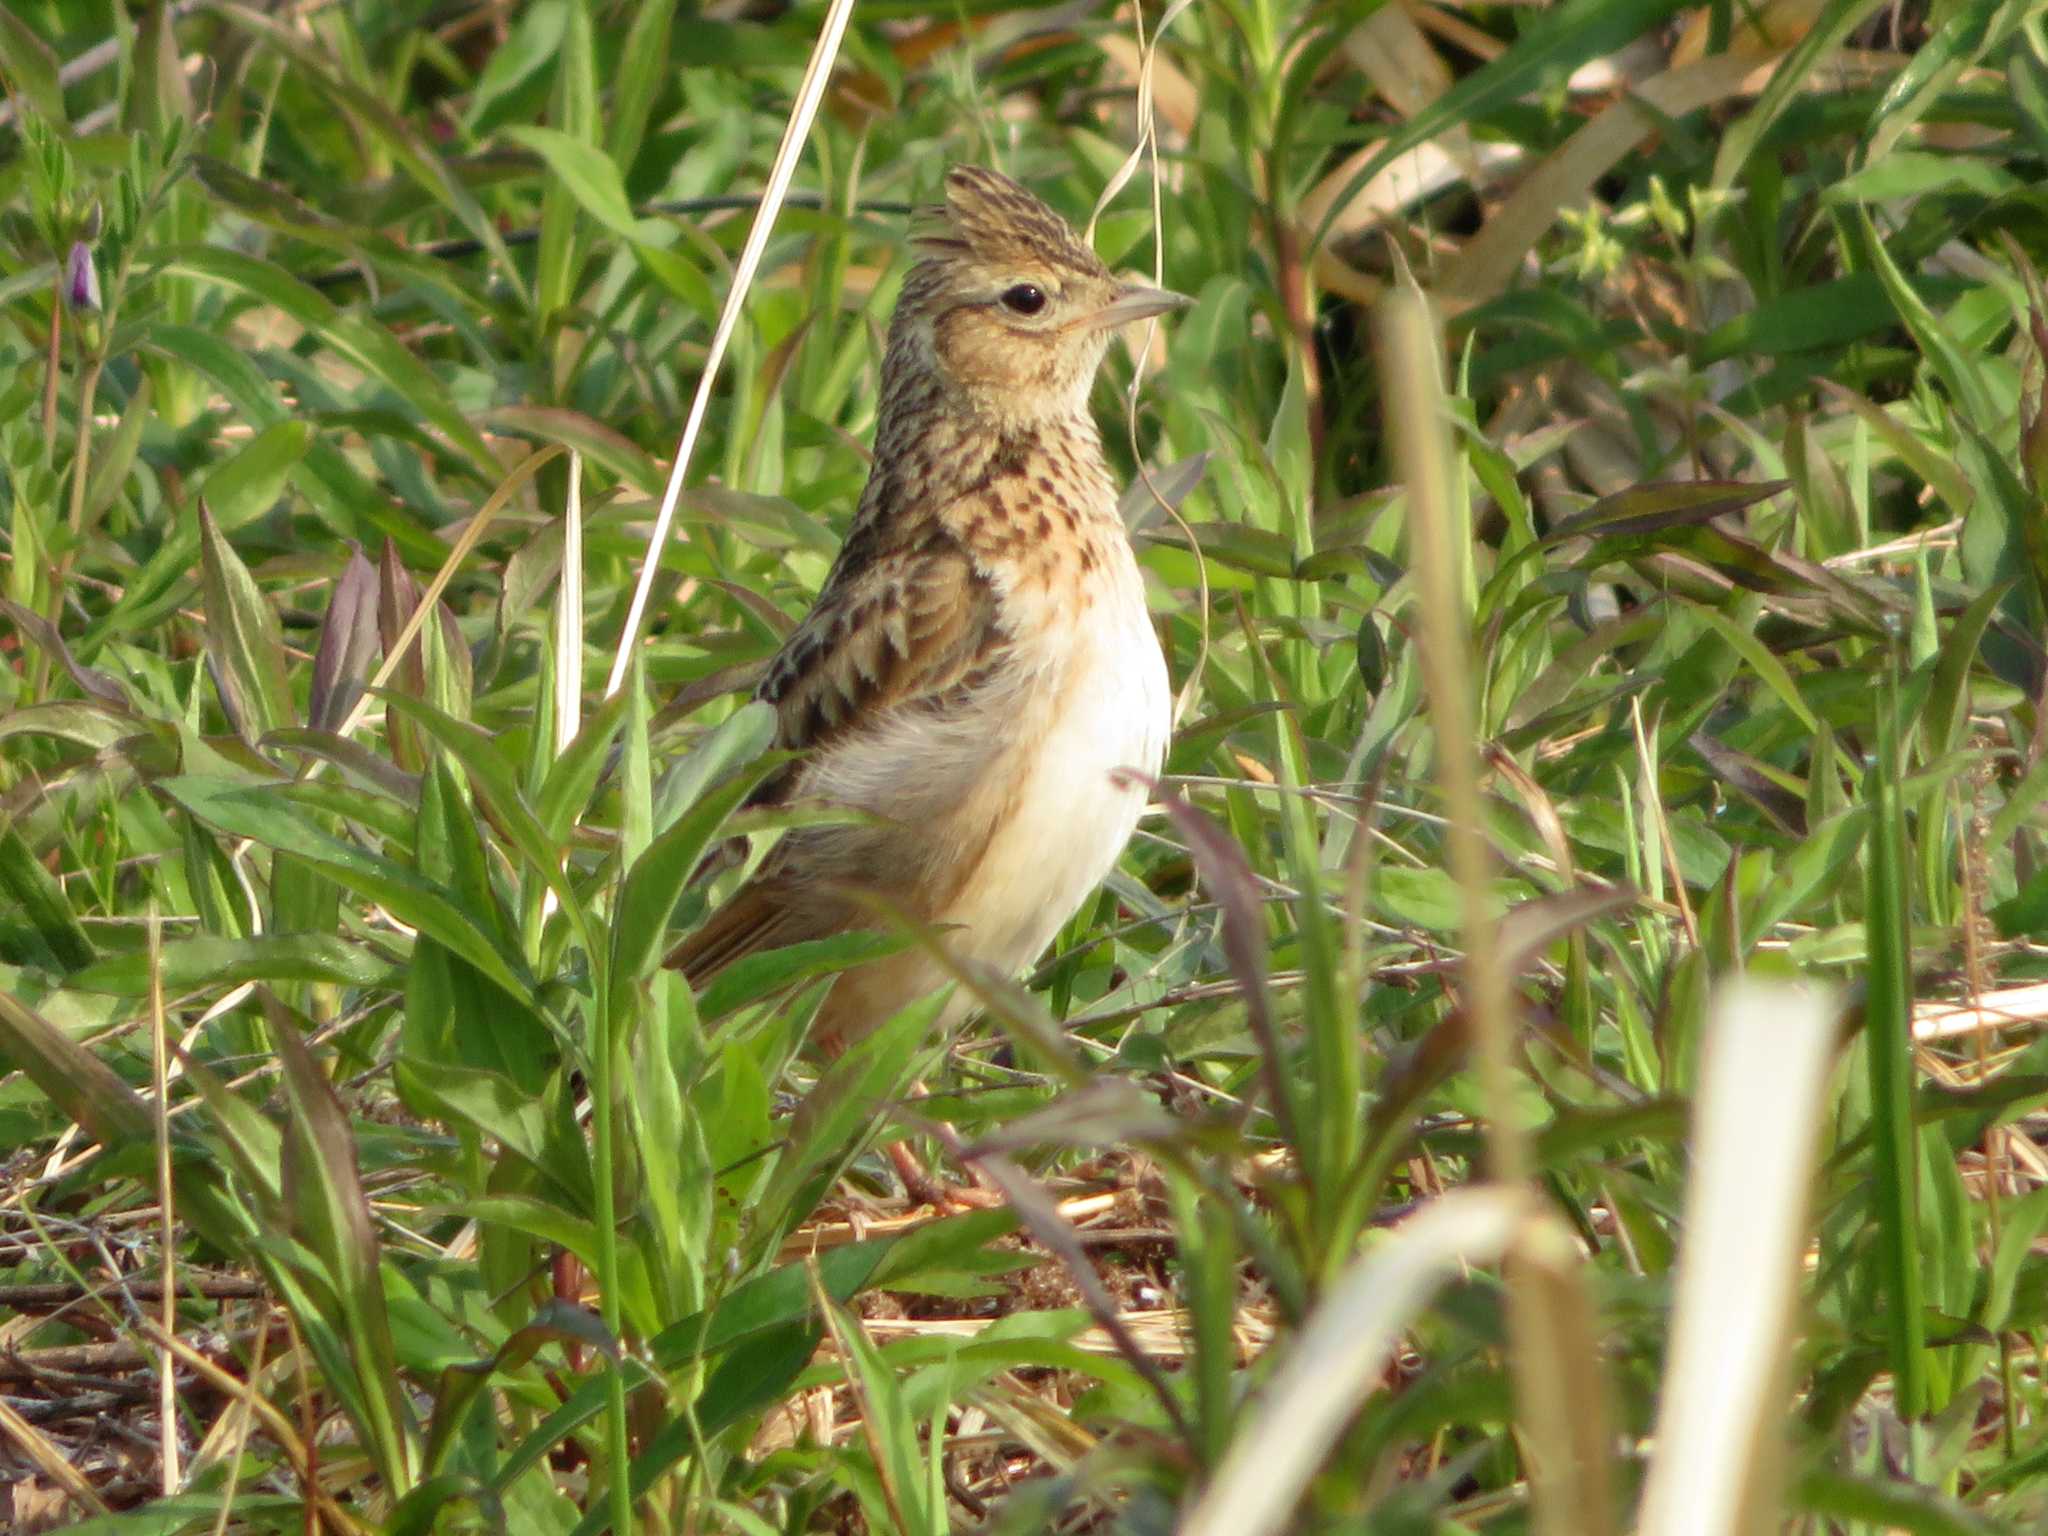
[979, 674]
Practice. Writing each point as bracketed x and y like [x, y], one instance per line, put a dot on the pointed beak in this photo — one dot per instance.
[1135, 302]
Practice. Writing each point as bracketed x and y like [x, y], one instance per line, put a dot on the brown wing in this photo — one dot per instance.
[893, 626]
[897, 624]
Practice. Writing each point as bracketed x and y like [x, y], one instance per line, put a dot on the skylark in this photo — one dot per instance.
[980, 661]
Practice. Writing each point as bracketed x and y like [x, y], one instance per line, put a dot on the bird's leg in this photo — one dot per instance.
[923, 1189]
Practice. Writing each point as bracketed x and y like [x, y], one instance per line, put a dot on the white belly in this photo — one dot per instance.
[1012, 806]
[1072, 810]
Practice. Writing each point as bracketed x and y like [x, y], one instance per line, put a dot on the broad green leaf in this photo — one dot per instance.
[831, 1125]
[643, 70]
[48, 933]
[159, 99]
[573, 779]
[753, 977]
[655, 882]
[498, 1108]
[736, 742]
[593, 180]
[593, 439]
[1953, 363]
[242, 638]
[29, 68]
[171, 1516]
[363, 108]
[1958, 42]
[261, 813]
[533, 41]
[114, 456]
[248, 484]
[1947, 711]
[331, 1215]
[1769, 670]
[206, 961]
[360, 342]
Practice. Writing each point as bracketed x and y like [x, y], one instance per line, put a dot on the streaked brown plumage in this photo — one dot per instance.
[980, 658]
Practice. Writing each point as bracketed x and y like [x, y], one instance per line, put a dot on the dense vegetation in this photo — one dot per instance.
[339, 857]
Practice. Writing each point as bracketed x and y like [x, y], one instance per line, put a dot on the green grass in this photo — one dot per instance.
[321, 829]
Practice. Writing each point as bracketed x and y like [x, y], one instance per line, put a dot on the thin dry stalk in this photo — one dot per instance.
[1557, 1395]
[1414, 391]
[1756, 1122]
[817, 74]
[569, 616]
[55, 1465]
[160, 1080]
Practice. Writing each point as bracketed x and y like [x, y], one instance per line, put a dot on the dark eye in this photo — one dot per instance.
[1025, 298]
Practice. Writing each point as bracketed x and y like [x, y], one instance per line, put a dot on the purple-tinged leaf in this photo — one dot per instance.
[1229, 877]
[352, 758]
[348, 639]
[94, 683]
[1652, 508]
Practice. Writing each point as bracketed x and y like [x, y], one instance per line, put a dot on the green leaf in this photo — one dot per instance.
[1910, 173]
[1235, 546]
[1958, 368]
[29, 68]
[1930, 69]
[457, 1015]
[496, 1107]
[248, 484]
[323, 1191]
[1650, 509]
[171, 1516]
[114, 457]
[593, 439]
[356, 340]
[262, 813]
[492, 778]
[242, 639]
[1422, 898]
[206, 961]
[655, 882]
[52, 936]
[574, 776]
[737, 741]
[643, 70]
[843, 1108]
[1888, 1044]
[1788, 83]
[593, 180]
[1744, 643]
[1821, 315]
[1946, 715]
[533, 42]
[361, 108]
[159, 100]
[1889, 1504]
[753, 977]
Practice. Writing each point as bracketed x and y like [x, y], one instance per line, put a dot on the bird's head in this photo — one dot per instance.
[1009, 309]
